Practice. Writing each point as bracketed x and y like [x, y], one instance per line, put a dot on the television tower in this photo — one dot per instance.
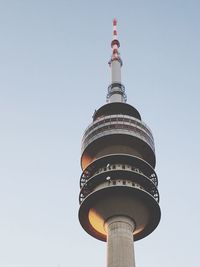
[119, 199]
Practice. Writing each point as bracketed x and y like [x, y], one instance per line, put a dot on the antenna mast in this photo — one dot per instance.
[116, 91]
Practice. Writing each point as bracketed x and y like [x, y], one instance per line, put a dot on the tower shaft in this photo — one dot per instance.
[116, 72]
[120, 250]
[117, 94]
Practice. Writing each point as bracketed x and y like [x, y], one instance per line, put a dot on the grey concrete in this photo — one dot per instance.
[116, 98]
[116, 78]
[116, 71]
[120, 247]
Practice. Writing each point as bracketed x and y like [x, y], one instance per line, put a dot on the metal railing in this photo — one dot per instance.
[113, 167]
[117, 117]
[119, 124]
[116, 88]
[86, 190]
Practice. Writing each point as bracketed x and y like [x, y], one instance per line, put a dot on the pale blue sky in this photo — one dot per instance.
[53, 75]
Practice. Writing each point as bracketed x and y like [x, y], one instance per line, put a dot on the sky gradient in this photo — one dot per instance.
[53, 75]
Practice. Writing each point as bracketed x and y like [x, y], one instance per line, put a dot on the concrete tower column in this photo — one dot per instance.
[120, 247]
[116, 96]
[116, 71]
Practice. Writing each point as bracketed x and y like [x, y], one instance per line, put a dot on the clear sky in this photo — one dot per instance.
[53, 75]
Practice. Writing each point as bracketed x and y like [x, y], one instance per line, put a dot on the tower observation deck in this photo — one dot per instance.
[119, 199]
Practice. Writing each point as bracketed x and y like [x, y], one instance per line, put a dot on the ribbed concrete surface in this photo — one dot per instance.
[120, 249]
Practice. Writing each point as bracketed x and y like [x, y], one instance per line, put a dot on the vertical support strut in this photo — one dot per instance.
[120, 246]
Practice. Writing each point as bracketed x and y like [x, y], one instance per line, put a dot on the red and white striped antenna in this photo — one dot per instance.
[114, 29]
[116, 91]
[115, 44]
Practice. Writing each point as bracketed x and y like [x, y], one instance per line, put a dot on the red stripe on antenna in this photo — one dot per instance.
[114, 22]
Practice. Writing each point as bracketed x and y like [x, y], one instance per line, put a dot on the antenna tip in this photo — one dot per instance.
[114, 22]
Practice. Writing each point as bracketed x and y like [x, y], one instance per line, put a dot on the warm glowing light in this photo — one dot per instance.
[96, 221]
[86, 160]
[139, 229]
